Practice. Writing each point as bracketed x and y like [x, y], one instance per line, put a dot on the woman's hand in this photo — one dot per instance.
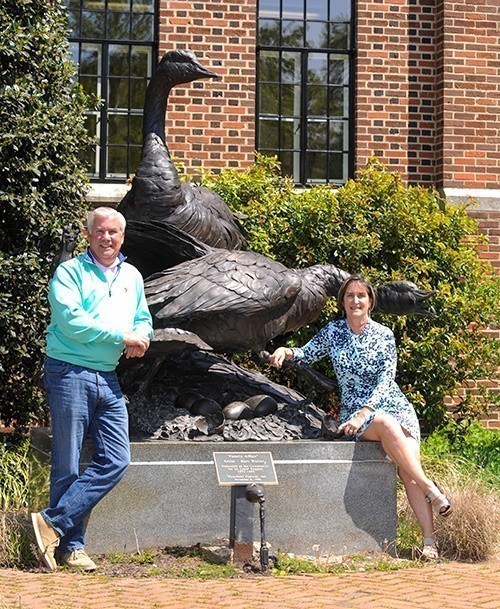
[279, 356]
[353, 425]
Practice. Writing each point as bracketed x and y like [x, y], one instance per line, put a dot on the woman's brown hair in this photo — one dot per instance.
[364, 281]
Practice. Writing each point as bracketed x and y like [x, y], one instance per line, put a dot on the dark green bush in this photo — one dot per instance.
[378, 226]
[42, 183]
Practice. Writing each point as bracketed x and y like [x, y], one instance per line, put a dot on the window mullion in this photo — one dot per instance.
[103, 128]
[303, 118]
[326, 133]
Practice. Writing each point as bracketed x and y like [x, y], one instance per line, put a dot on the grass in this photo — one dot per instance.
[468, 446]
[24, 483]
[188, 563]
[471, 532]
[16, 539]
[174, 562]
[14, 473]
[143, 557]
[203, 571]
[287, 564]
[464, 460]
[24, 479]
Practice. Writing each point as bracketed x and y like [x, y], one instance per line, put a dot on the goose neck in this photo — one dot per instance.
[155, 108]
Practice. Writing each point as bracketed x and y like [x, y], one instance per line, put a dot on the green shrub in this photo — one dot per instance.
[473, 447]
[42, 183]
[378, 226]
[24, 482]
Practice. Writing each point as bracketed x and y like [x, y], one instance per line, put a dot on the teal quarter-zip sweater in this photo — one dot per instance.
[90, 316]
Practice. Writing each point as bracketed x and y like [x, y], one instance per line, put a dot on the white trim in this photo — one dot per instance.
[324, 461]
[106, 193]
[486, 199]
[277, 461]
[171, 463]
[473, 192]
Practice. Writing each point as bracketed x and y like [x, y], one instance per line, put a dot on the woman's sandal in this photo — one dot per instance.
[429, 551]
[439, 502]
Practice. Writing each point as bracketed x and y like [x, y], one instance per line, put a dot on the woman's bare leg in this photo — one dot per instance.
[405, 453]
[418, 503]
[386, 430]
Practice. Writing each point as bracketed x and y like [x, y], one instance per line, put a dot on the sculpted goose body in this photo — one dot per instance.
[240, 300]
[157, 192]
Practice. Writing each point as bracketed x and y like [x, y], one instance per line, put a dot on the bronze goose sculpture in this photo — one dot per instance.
[240, 300]
[157, 193]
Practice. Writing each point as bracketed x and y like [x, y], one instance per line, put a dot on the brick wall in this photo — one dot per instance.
[395, 96]
[489, 224]
[427, 98]
[428, 90]
[468, 62]
[211, 124]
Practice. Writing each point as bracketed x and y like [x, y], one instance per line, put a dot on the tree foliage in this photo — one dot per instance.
[42, 186]
[378, 226]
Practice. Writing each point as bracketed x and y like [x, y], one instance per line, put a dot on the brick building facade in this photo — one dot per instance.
[426, 95]
[427, 92]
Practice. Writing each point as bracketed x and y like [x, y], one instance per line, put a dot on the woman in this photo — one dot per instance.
[373, 408]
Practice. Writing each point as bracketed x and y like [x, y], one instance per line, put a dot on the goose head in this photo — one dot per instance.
[177, 67]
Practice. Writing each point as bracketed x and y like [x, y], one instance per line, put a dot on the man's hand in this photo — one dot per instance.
[136, 344]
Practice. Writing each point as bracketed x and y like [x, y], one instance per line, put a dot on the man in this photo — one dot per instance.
[99, 311]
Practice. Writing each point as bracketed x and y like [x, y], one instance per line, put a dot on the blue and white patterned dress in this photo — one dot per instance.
[365, 366]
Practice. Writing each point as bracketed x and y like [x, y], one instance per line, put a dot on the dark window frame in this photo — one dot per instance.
[104, 111]
[305, 51]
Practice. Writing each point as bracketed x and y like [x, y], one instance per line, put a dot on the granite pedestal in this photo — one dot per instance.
[339, 496]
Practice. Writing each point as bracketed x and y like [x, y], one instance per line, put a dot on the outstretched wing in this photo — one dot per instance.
[234, 282]
[154, 246]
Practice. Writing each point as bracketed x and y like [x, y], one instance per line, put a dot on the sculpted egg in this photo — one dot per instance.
[186, 400]
[205, 406]
[238, 410]
[262, 405]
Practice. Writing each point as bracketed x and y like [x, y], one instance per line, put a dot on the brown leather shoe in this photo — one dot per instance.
[47, 539]
[78, 560]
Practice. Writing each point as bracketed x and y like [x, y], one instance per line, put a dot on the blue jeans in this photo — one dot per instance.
[83, 401]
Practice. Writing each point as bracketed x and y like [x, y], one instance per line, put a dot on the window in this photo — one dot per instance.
[304, 92]
[113, 42]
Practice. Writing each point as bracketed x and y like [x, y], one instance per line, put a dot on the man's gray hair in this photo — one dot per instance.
[105, 212]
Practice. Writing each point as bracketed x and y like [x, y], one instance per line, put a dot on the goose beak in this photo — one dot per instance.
[206, 73]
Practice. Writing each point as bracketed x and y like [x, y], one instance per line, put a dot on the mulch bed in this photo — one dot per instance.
[184, 562]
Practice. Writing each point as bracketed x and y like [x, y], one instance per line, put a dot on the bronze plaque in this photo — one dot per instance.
[245, 468]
